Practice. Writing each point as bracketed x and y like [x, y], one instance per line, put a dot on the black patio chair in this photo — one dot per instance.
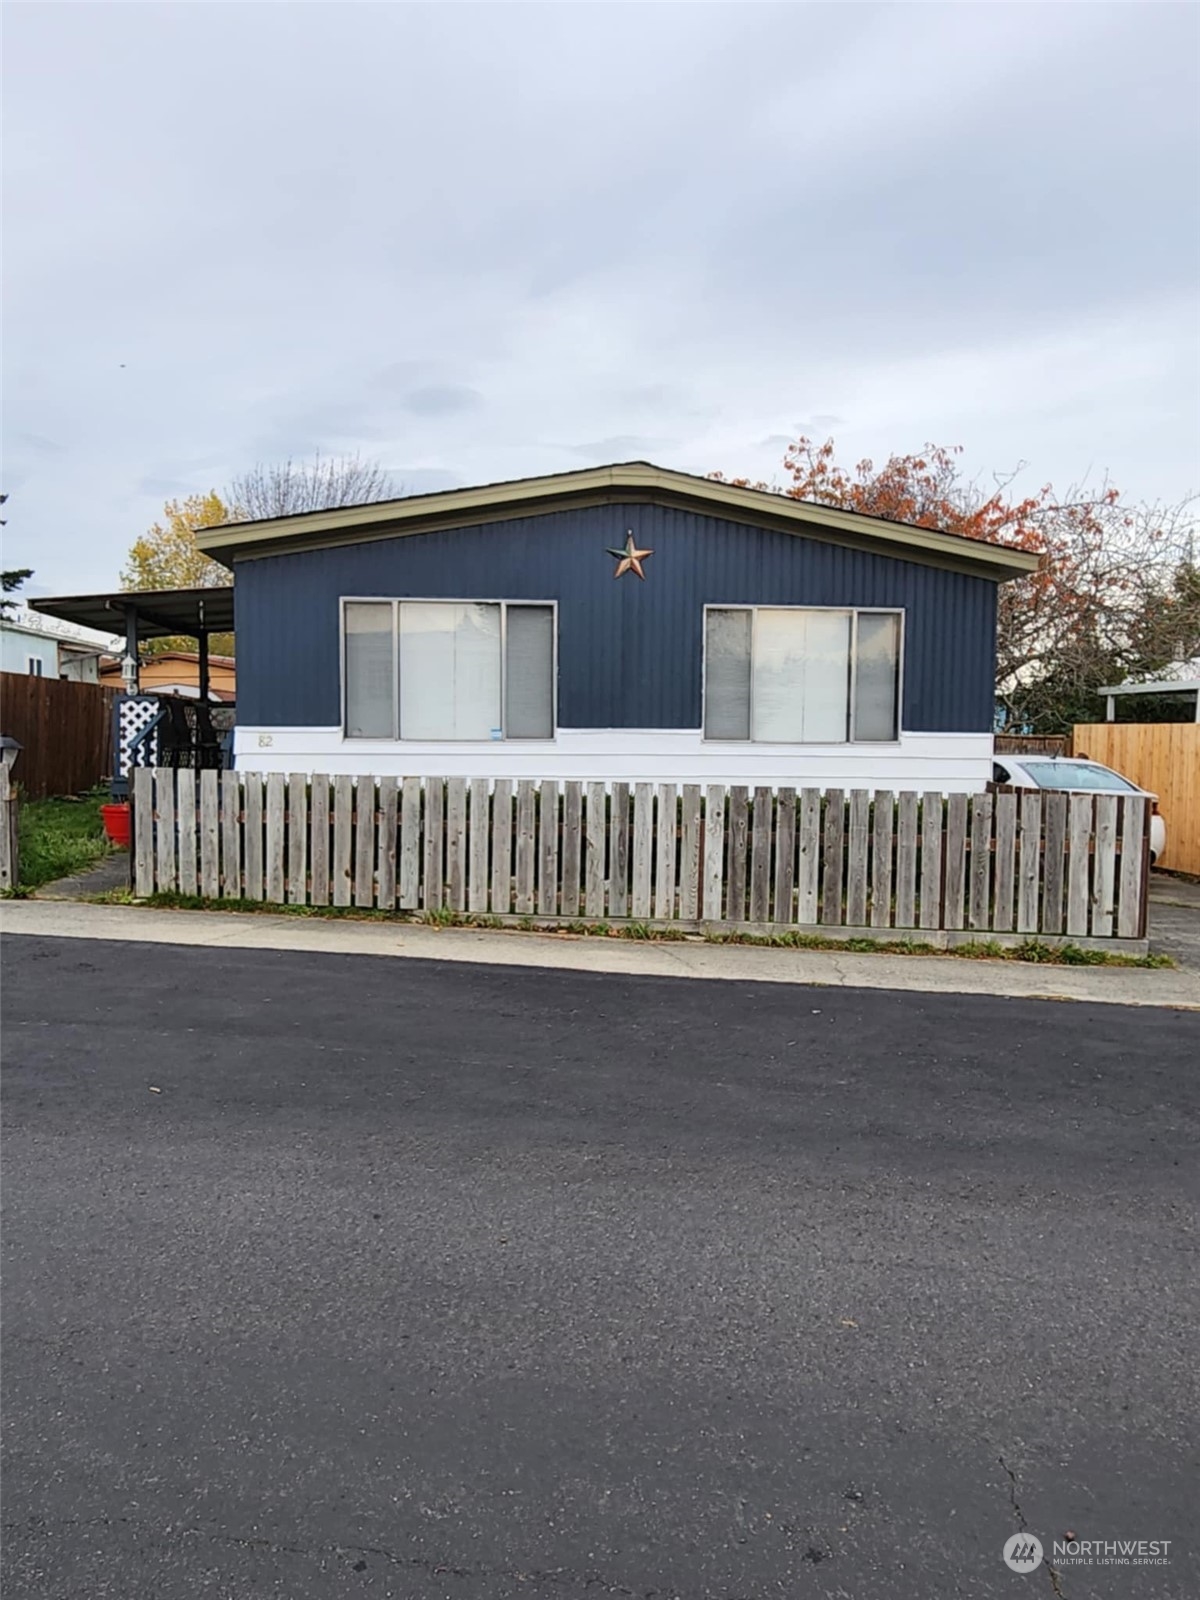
[176, 740]
[209, 752]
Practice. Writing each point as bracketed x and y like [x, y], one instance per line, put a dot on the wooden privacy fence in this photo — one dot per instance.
[1163, 757]
[65, 729]
[1031, 744]
[1003, 863]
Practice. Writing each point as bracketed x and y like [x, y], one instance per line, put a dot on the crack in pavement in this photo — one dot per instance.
[1051, 1571]
[550, 1576]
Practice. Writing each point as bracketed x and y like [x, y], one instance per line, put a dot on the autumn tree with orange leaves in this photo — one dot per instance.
[1117, 593]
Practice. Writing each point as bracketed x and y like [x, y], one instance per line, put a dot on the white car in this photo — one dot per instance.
[1077, 775]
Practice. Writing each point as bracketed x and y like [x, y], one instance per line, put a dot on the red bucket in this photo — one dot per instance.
[116, 823]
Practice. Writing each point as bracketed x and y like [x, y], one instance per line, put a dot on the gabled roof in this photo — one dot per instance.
[628, 481]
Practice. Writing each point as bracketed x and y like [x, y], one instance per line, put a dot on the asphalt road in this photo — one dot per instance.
[333, 1276]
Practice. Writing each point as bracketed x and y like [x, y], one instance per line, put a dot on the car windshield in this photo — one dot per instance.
[1076, 775]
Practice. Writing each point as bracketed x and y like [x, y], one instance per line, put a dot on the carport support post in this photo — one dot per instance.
[202, 652]
[131, 670]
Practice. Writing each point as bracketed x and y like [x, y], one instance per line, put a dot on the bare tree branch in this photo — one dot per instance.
[286, 488]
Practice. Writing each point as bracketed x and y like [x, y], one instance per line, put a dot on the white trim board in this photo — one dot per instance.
[955, 762]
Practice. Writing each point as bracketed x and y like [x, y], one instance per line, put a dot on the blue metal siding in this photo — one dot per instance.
[629, 653]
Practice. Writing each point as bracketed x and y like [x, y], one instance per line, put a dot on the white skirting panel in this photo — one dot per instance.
[952, 762]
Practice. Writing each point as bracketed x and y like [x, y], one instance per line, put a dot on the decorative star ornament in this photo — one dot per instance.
[630, 558]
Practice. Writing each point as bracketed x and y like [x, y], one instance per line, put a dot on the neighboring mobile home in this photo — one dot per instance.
[46, 647]
[622, 622]
[177, 672]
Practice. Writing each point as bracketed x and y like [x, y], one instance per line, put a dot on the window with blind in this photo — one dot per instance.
[441, 669]
[793, 675]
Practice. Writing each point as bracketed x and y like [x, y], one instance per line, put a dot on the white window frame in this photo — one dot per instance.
[854, 612]
[396, 601]
[36, 667]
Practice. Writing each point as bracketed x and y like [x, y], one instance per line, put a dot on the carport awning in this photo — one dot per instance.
[158, 612]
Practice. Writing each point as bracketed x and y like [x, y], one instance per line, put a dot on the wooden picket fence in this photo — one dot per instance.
[999, 864]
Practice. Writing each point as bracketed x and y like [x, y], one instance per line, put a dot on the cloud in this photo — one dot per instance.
[35, 444]
[441, 400]
[972, 224]
[426, 480]
[621, 447]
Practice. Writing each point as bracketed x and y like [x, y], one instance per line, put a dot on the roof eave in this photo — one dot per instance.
[1157, 686]
[628, 481]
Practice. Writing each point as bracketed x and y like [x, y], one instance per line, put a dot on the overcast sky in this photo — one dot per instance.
[483, 241]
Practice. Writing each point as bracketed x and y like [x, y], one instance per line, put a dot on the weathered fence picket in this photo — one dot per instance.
[643, 822]
[547, 889]
[689, 854]
[881, 863]
[664, 853]
[856, 859]
[410, 844]
[1081, 824]
[618, 853]
[297, 838]
[1006, 862]
[164, 805]
[932, 828]
[210, 834]
[477, 872]
[1031, 862]
[808, 873]
[143, 832]
[318, 842]
[986, 865]
[275, 835]
[1135, 858]
[572, 844]
[955, 875]
[433, 873]
[343, 837]
[231, 836]
[737, 836]
[501, 845]
[526, 847]
[364, 842]
[760, 856]
[386, 864]
[456, 844]
[252, 829]
[185, 810]
[1104, 878]
[596, 858]
[785, 855]
[1054, 813]
[714, 853]
[979, 894]
[834, 822]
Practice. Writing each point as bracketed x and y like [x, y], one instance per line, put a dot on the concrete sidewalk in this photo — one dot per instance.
[1175, 920]
[1130, 986]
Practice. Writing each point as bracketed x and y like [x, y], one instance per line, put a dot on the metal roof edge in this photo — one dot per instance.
[623, 480]
[1155, 686]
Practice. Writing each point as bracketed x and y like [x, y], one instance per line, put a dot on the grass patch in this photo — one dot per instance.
[1029, 950]
[61, 837]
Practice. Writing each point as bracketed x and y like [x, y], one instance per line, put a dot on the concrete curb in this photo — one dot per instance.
[746, 963]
